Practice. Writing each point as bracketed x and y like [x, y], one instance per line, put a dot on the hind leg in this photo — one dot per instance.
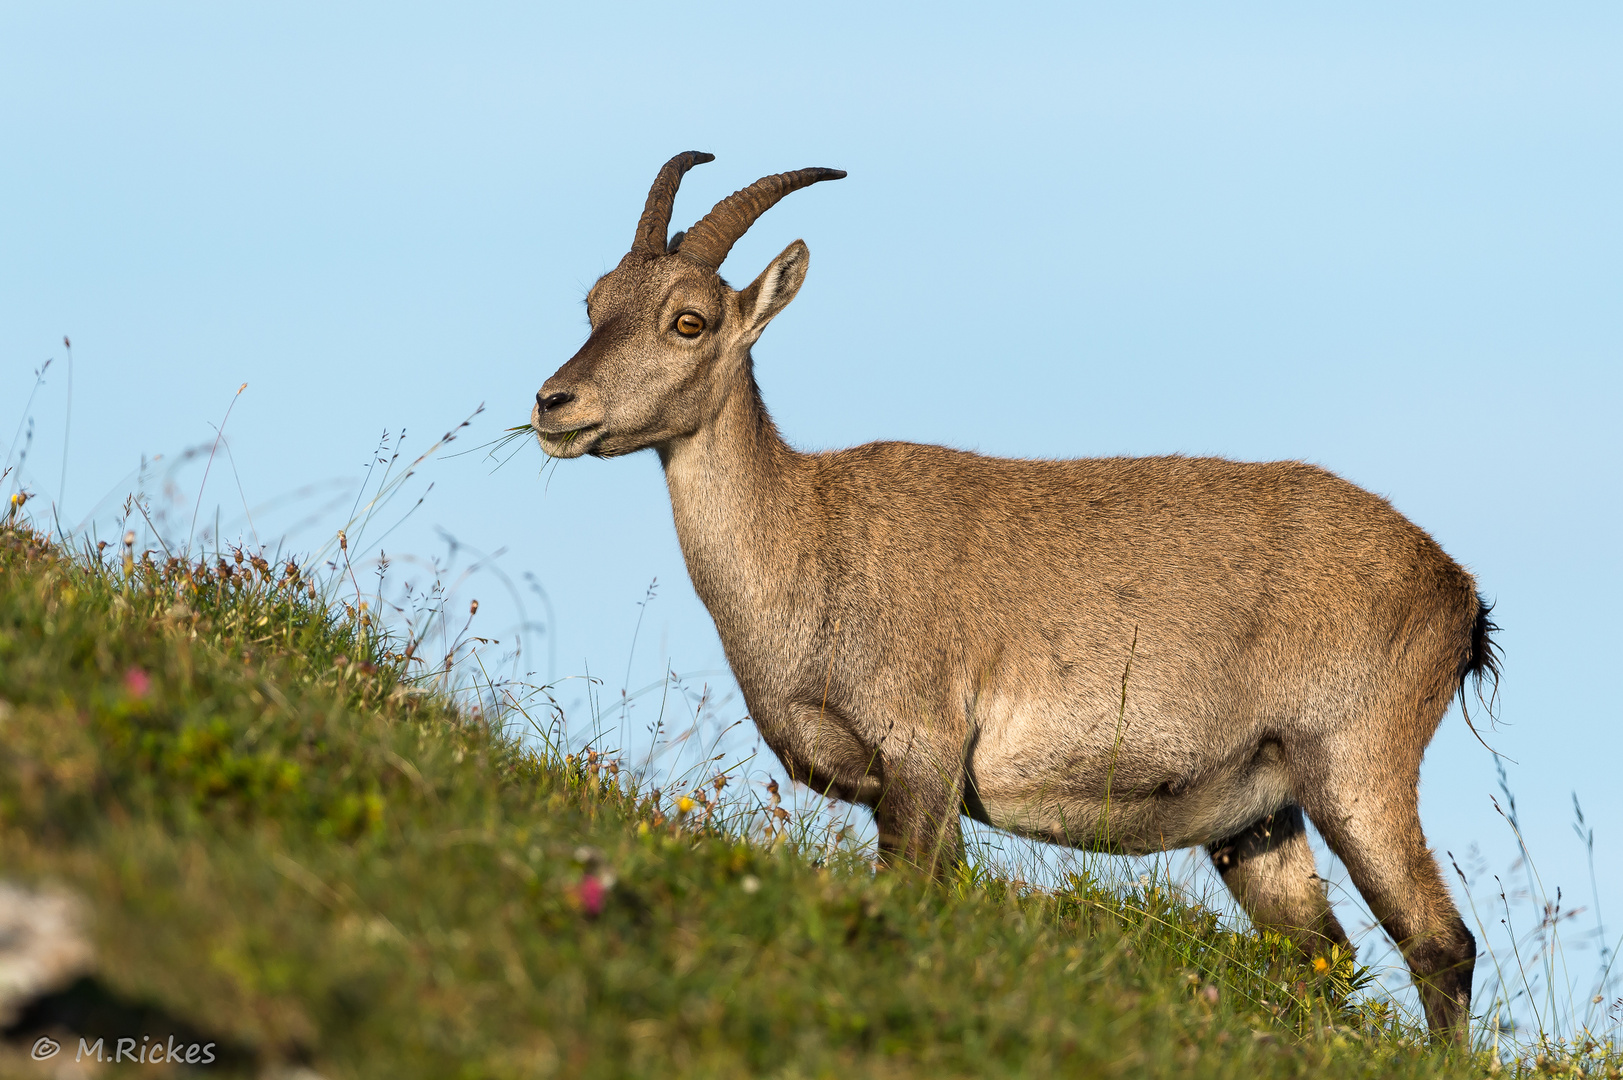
[1269, 868]
[1368, 812]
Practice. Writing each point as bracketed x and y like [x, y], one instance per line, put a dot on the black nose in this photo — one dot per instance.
[553, 401]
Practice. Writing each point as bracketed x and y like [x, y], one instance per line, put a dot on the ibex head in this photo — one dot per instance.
[667, 331]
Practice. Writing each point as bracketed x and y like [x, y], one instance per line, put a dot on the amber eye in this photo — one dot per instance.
[689, 324]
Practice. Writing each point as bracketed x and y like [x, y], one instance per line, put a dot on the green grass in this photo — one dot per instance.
[287, 841]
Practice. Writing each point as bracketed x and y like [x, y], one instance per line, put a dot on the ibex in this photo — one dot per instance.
[1128, 654]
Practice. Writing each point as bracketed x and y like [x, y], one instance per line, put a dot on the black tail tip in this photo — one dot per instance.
[1482, 663]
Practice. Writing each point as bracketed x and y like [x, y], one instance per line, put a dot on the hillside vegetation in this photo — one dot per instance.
[287, 844]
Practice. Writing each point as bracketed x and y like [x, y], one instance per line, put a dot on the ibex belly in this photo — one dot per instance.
[1103, 788]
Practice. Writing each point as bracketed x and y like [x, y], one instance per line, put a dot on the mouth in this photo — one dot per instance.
[571, 443]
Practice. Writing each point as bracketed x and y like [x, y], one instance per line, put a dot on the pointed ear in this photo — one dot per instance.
[771, 292]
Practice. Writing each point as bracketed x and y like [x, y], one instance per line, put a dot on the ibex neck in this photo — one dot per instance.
[739, 495]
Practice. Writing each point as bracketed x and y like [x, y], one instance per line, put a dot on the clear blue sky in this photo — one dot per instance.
[1389, 241]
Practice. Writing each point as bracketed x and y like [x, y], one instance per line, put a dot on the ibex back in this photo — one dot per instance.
[1130, 654]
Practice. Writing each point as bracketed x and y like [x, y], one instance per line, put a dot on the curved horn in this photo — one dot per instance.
[656, 215]
[708, 242]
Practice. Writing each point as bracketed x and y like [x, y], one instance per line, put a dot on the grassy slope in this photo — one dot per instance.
[282, 844]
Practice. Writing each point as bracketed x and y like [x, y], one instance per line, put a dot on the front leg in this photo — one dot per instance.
[917, 811]
[914, 788]
[820, 749]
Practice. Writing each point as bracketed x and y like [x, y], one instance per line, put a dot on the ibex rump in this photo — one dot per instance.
[927, 631]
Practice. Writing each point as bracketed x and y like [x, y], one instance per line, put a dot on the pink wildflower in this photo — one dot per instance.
[590, 894]
[137, 683]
